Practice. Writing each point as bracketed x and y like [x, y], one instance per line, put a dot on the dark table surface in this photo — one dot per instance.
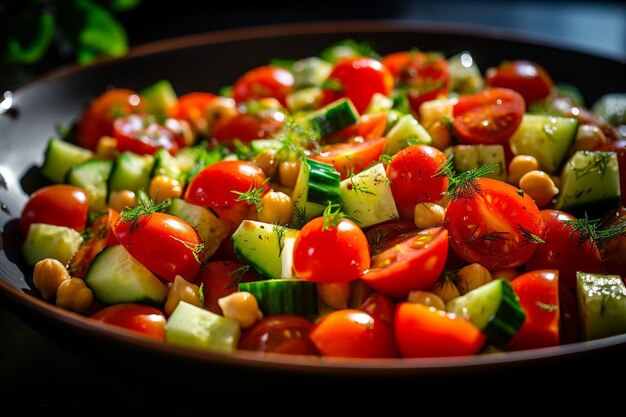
[42, 377]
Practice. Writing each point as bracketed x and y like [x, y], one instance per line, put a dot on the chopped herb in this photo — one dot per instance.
[254, 195]
[358, 186]
[237, 276]
[201, 293]
[528, 237]
[332, 85]
[145, 207]
[589, 230]
[597, 165]
[546, 307]
[300, 217]
[280, 231]
[197, 249]
[463, 185]
[520, 192]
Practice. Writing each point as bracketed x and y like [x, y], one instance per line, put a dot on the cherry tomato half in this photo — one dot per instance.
[215, 184]
[58, 204]
[221, 278]
[192, 107]
[249, 124]
[358, 79]
[165, 244]
[145, 320]
[351, 158]
[264, 81]
[425, 332]
[528, 78]
[488, 117]
[411, 261]
[353, 334]
[142, 134]
[496, 226]
[279, 334]
[344, 243]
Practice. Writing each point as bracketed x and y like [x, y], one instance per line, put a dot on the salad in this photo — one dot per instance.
[348, 204]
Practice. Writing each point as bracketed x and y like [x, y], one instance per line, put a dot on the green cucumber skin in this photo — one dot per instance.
[324, 181]
[508, 320]
[59, 157]
[284, 296]
[139, 178]
[334, 117]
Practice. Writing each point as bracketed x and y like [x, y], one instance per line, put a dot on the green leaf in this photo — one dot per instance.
[33, 48]
[101, 34]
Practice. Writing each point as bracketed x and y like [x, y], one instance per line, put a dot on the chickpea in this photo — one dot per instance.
[520, 165]
[471, 277]
[163, 187]
[588, 138]
[276, 208]
[182, 290]
[288, 172]
[539, 186]
[445, 289]
[426, 298]
[242, 307]
[48, 275]
[106, 148]
[427, 215]
[440, 134]
[122, 200]
[219, 110]
[335, 295]
[267, 162]
[74, 295]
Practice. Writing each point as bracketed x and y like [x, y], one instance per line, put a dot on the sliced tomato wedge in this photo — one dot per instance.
[411, 261]
[352, 158]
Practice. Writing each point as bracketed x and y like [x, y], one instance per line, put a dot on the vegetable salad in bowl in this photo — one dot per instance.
[348, 204]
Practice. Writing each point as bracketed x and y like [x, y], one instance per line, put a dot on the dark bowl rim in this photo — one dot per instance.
[43, 310]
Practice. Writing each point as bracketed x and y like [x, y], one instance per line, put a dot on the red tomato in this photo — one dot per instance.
[165, 244]
[359, 79]
[413, 175]
[219, 279]
[249, 125]
[215, 184]
[538, 292]
[102, 236]
[265, 81]
[411, 261]
[488, 117]
[424, 332]
[344, 244]
[142, 134]
[352, 158]
[59, 204]
[528, 78]
[425, 75]
[97, 120]
[192, 107]
[279, 334]
[496, 226]
[381, 233]
[563, 250]
[143, 319]
[369, 126]
[353, 334]
[379, 305]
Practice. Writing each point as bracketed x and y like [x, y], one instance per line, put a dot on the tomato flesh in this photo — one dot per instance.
[142, 319]
[351, 158]
[264, 81]
[143, 135]
[219, 279]
[528, 78]
[279, 334]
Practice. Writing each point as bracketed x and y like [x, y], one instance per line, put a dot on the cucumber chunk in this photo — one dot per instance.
[196, 327]
[50, 241]
[601, 304]
[92, 175]
[333, 117]
[116, 277]
[318, 185]
[284, 296]
[159, 97]
[131, 172]
[59, 158]
[406, 132]
[165, 164]
[494, 308]
[467, 157]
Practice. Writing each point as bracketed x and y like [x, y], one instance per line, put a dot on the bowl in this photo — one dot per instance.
[206, 62]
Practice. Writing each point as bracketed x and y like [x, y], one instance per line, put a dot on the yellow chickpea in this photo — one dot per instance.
[426, 298]
[335, 295]
[122, 200]
[588, 138]
[440, 134]
[276, 208]
[163, 187]
[288, 173]
[48, 275]
[107, 148]
[445, 289]
[182, 290]
[242, 307]
[74, 295]
[539, 186]
[471, 277]
[427, 215]
[220, 110]
[520, 165]
[267, 162]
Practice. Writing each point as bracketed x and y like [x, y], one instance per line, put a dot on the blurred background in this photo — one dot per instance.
[38, 35]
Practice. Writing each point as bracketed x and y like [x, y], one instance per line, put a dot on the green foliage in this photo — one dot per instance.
[86, 29]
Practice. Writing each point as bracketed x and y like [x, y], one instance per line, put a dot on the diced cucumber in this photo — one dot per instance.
[131, 172]
[333, 117]
[611, 108]
[310, 72]
[589, 182]
[318, 185]
[436, 110]
[284, 296]
[467, 157]
[261, 145]
[210, 229]
[165, 164]
[367, 197]
[194, 159]
[547, 138]
[304, 100]
[159, 97]
[601, 304]
[116, 277]
[92, 175]
[199, 328]
[59, 158]
[407, 131]
[261, 245]
[50, 241]
[380, 103]
[465, 76]
[494, 308]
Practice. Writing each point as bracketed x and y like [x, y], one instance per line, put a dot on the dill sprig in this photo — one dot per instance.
[254, 195]
[197, 249]
[589, 230]
[528, 237]
[598, 164]
[300, 217]
[296, 140]
[280, 231]
[201, 293]
[145, 206]
[332, 216]
[237, 275]
[463, 185]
